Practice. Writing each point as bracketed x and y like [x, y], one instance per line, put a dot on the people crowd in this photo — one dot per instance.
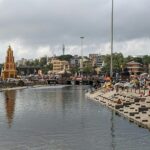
[133, 82]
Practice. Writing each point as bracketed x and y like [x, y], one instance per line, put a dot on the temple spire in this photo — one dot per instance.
[9, 70]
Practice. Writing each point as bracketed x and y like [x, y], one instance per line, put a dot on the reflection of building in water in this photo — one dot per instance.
[10, 97]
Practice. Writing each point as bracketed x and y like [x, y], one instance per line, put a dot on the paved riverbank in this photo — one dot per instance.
[134, 107]
[35, 87]
[13, 88]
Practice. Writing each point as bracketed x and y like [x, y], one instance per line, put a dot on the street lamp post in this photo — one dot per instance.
[81, 62]
[111, 59]
[111, 72]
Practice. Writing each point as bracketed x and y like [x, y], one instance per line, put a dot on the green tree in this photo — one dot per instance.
[138, 59]
[146, 59]
[128, 59]
[88, 70]
[65, 57]
[118, 62]
[46, 68]
[43, 61]
[29, 63]
[74, 70]
[36, 62]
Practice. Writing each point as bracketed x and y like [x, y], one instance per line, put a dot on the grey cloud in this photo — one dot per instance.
[131, 19]
[43, 22]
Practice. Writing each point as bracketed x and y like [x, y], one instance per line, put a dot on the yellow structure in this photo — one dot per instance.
[9, 70]
[10, 97]
[87, 63]
[60, 65]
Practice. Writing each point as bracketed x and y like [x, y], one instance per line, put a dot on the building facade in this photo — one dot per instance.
[87, 62]
[21, 62]
[60, 65]
[135, 67]
[9, 70]
[97, 60]
[75, 61]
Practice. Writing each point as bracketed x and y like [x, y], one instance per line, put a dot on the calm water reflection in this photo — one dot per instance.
[10, 97]
[63, 119]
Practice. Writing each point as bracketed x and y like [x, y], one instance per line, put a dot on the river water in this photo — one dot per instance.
[59, 118]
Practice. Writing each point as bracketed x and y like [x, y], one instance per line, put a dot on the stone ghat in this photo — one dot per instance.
[129, 105]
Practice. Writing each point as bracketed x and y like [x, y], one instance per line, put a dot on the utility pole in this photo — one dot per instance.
[111, 59]
[111, 71]
[81, 62]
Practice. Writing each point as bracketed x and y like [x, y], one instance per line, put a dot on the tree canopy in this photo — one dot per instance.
[118, 62]
[65, 57]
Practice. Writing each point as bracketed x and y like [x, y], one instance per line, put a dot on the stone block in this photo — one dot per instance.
[118, 106]
[142, 109]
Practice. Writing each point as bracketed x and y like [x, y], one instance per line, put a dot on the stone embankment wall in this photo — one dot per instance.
[21, 84]
[134, 107]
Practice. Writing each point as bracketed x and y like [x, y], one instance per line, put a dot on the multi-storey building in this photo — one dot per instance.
[135, 67]
[97, 60]
[87, 63]
[60, 65]
[91, 56]
[75, 61]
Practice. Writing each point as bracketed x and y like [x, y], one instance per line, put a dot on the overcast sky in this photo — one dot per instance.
[36, 28]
